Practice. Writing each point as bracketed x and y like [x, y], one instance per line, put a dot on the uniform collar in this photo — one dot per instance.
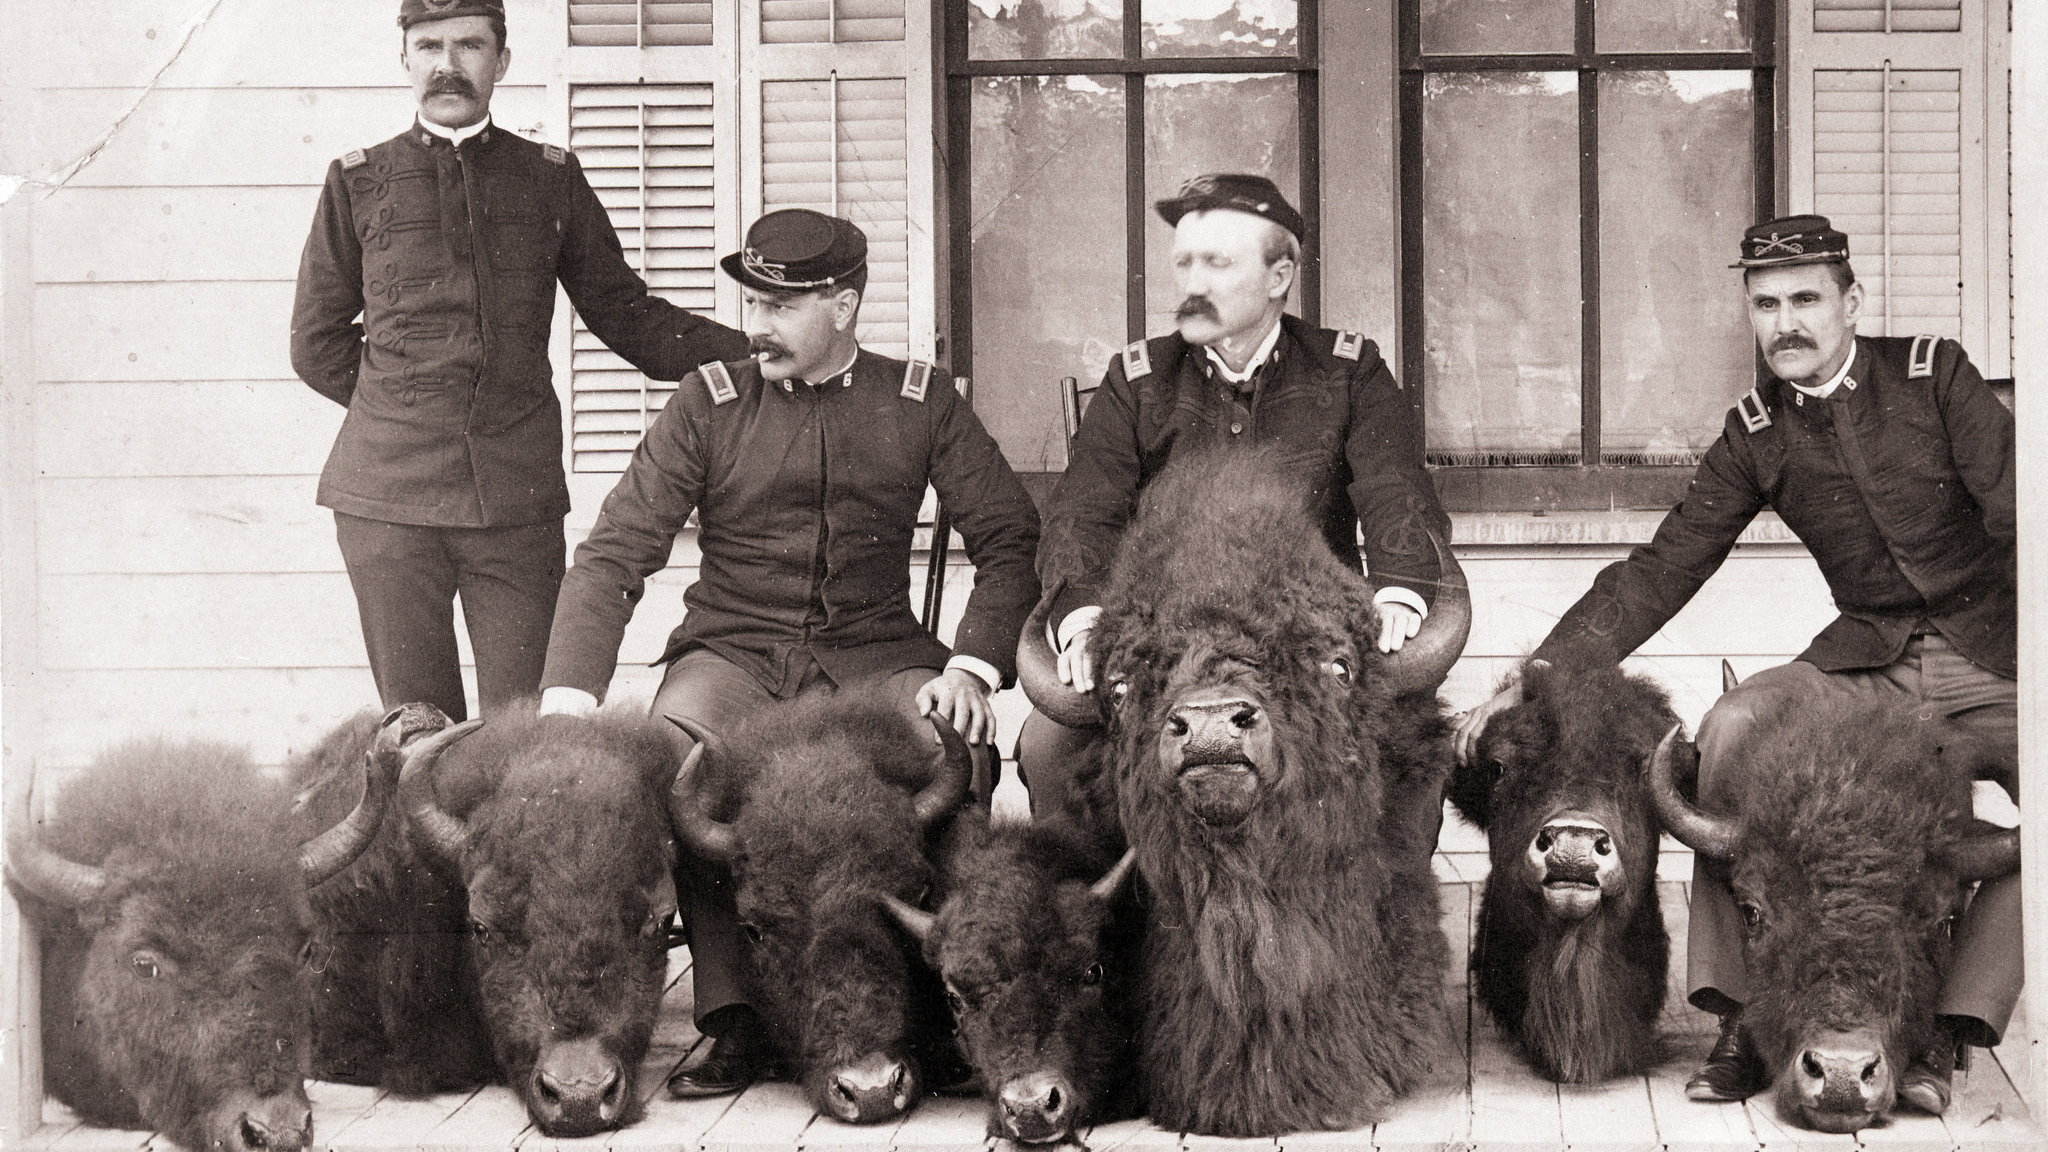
[842, 377]
[454, 136]
[1826, 390]
[1260, 355]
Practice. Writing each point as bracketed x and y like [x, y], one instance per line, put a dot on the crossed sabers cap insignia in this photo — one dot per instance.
[751, 257]
[1785, 243]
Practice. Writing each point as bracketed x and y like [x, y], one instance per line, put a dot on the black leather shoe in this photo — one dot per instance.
[735, 1060]
[1925, 1085]
[1733, 1070]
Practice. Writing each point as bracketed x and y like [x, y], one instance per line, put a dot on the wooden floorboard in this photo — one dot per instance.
[1484, 1098]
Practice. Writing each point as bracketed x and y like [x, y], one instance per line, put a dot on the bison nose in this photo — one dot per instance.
[278, 1123]
[874, 1088]
[577, 1088]
[1574, 859]
[1214, 726]
[1037, 1108]
[1841, 1083]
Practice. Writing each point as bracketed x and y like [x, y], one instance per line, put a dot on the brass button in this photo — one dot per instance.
[1236, 428]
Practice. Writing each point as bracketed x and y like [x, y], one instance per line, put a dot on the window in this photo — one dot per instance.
[1065, 124]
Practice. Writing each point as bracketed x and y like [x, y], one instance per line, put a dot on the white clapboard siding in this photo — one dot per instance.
[838, 146]
[647, 150]
[639, 23]
[831, 21]
[1888, 171]
[1887, 15]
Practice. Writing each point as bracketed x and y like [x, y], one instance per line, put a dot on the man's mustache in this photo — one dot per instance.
[1196, 306]
[1791, 340]
[451, 85]
[757, 345]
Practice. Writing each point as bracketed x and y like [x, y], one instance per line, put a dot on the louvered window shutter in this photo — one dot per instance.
[647, 152]
[639, 23]
[831, 21]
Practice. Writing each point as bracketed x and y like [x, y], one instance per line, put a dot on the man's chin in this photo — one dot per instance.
[1795, 365]
[1200, 331]
[451, 111]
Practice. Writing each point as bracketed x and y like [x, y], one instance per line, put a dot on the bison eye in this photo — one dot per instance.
[955, 1001]
[1092, 977]
[1340, 668]
[145, 965]
[1752, 916]
[658, 924]
[480, 931]
[1118, 691]
[753, 932]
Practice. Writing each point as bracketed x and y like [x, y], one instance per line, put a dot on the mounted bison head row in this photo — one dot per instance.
[1281, 782]
[1849, 857]
[170, 890]
[820, 808]
[1570, 950]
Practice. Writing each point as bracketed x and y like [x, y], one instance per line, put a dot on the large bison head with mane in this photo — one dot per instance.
[177, 948]
[1849, 857]
[1281, 782]
[820, 808]
[1570, 950]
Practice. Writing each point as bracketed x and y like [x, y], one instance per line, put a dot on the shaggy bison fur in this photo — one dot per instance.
[1570, 951]
[820, 808]
[1282, 793]
[177, 940]
[512, 923]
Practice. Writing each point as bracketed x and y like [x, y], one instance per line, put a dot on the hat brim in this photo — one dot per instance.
[1788, 261]
[737, 269]
[1172, 210]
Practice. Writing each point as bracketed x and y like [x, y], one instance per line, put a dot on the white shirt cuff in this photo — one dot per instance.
[1077, 622]
[1394, 594]
[566, 700]
[982, 669]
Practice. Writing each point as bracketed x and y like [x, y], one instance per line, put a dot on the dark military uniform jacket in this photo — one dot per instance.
[451, 254]
[1901, 485]
[1326, 397]
[807, 497]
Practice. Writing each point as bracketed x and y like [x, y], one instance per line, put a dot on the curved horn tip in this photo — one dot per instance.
[1112, 881]
[710, 839]
[915, 921]
[1038, 672]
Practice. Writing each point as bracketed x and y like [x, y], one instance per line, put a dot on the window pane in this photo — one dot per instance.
[1500, 222]
[1045, 29]
[1676, 191]
[1483, 27]
[1047, 228]
[1197, 124]
[1222, 28]
[1671, 25]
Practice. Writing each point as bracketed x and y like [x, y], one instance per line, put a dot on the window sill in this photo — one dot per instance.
[1522, 529]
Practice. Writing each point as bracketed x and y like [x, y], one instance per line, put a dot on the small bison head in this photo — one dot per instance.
[178, 948]
[1036, 961]
[1849, 858]
[820, 808]
[566, 858]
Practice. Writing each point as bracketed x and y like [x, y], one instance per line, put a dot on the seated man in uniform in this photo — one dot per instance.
[1917, 547]
[1238, 371]
[806, 466]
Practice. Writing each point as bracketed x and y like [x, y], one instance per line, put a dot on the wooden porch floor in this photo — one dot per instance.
[1491, 1103]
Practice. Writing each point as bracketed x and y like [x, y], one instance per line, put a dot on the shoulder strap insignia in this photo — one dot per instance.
[555, 153]
[1751, 406]
[1137, 361]
[1921, 364]
[354, 158]
[917, 376]
[1349, 345]
[719, 382]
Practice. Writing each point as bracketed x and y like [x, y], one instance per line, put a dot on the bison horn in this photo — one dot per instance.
[328, 853]
[1106, 888]
[1728, 678]
[1988, 855]
[1422, 663]
[710, 839]
[1710, 836]
[915, 921]
[36, 868]
[937, 800]
[1038, 672]
[445, 834]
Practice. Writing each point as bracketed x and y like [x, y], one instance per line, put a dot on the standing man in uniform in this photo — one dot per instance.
[425, 297]
[1893, 463]
[1238, 370]
[806, 466]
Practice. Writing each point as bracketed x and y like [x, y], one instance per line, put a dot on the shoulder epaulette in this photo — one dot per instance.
[1349, 345]
[354, 158]
[917, 376]
[718, 382]
[555, 153]
[1921, 364]
[1137, 361]
[1754, 416]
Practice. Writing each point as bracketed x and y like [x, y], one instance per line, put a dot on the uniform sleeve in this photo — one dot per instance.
[658, 338]
[998, 522]
[1631, 599]
[1981, 440]
[327, 332]
[635, 532]
[1096, 498]
[1391, 491]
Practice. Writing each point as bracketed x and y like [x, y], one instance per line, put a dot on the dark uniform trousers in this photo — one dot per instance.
[1985, 971]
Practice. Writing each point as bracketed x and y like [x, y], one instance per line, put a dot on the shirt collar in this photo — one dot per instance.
[1826, 390]
[455, 135]
[1260, 355]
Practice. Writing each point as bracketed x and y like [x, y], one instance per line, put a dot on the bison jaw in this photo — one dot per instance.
[1213, 748]
[1839, 1081]
[1573, 861]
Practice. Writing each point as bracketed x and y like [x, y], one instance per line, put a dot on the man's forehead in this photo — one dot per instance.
[453, 28]
[1798, 279]
[1219, 228]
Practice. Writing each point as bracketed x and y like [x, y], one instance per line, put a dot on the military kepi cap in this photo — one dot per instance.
[1237, 191]
[1792, 240]
[411, 12]
[797, 250]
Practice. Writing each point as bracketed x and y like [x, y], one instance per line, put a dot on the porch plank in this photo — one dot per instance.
[393, 1122]
[945, 1124]
[765, 1118]
[1684, 1125]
